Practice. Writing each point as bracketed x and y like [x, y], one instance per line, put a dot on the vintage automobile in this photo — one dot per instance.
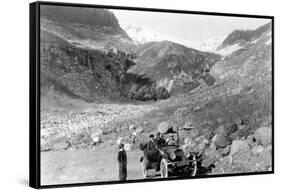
[169, 159]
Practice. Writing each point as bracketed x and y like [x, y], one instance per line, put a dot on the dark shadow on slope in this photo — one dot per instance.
[142, 88]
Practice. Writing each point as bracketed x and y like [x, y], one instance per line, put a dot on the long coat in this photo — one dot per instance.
[122, 160]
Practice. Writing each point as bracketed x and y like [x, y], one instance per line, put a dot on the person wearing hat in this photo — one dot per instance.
[122, 160]
[151, 143]
[170, 140]
[160, 140]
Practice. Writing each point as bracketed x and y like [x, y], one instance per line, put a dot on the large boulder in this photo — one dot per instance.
[120, 140]
[213, 146]
[44, 145]
[139, 130]
[210, 157]
[191, 146]
[263, 136]
[199, 139]
[227, 129]
[238, 145]
[221, 141]
[257, 149]
[269, 148]
[225, 151]
[265, 159]
[96, 136]
[214, 138]
[200, 144]
[128, 147]
[80, 138]
[61, 145]
[97, 139]
[132, 127]
[163, 127]
[200, 148]
[220, 130]
[97, 132]
[53, 139]
[251, 140]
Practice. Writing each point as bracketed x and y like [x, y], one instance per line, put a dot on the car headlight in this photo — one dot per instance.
[173, 156]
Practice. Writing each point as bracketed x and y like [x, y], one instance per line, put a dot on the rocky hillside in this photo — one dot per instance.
[240, 38]
[234, 115]
[172, 65]
[83, 52]
[87, 56]
[87, 16]
[92, 74]
[85, 27]
[249, 65]
[91, 56]
[81, 73]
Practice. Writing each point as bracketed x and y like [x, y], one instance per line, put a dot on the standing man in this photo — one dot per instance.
[122, 160]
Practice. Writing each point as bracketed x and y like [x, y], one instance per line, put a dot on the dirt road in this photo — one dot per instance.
[78, 166]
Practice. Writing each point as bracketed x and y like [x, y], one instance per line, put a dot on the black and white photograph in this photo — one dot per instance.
[146, 95]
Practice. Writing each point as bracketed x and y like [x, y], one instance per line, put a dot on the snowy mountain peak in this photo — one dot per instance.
[142, 35]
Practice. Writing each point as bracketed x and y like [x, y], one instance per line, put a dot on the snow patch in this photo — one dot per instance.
[254, 41]
[210, 45]
[229, 49]
[142, 35]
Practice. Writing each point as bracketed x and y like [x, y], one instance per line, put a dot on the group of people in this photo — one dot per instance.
[153, 143]
[159, 141]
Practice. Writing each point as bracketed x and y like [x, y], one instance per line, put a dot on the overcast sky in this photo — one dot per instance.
[188, 27]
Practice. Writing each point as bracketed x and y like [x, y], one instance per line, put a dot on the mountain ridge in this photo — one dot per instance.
[158, 69]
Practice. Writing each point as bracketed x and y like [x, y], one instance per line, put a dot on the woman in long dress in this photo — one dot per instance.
[122, 160]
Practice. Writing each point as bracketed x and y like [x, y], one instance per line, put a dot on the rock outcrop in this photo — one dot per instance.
[263, 136]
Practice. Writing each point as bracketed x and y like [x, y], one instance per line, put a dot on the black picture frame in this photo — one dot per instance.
[34, 91]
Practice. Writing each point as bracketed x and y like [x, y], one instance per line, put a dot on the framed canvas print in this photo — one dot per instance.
[126, 94]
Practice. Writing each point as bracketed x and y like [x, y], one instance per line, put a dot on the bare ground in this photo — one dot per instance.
[96, 165]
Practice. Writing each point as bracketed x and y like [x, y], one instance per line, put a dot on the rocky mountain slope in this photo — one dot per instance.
[239, 39]
[88, 58]
[84, 27]
[79, 57]
[172, 65]
[80, 73]
[240, 36]
[234, 115]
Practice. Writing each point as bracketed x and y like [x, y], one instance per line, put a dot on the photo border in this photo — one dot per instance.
[34, 93]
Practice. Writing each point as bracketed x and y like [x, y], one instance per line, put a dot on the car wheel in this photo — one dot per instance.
[164, 168]
[144, 170]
